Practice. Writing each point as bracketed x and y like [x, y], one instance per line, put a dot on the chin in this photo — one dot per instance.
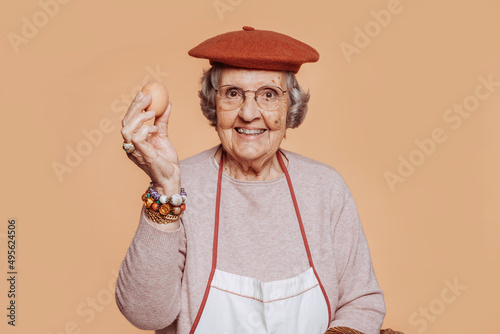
[249, 153]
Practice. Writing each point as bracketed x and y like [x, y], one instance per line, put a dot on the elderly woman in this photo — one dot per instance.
[269, 241]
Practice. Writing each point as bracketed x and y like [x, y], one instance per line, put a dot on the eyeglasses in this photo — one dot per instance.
[267, 97]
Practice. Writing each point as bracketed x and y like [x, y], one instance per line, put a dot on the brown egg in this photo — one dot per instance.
[159, 96]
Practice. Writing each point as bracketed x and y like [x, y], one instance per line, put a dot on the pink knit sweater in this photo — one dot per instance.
[164, 274]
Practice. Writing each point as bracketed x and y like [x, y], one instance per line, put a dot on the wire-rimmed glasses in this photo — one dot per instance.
[267, 97]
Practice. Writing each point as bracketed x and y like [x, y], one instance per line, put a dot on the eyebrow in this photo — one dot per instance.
[250, 89]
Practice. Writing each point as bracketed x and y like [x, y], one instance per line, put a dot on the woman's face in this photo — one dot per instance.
[235, 126]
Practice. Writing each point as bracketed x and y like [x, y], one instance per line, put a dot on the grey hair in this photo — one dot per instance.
[297, 108]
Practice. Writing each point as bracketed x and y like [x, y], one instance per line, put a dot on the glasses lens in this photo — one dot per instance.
[230, 96]
[269, 97]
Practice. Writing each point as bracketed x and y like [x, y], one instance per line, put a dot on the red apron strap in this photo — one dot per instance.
[302, 231]
[214, 248]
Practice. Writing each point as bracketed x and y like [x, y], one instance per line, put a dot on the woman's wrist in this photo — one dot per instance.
[167, 184]
[167, 188]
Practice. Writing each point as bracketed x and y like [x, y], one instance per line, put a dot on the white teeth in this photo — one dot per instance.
[250, 132]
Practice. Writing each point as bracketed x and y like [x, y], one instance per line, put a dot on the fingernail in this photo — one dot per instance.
[138, 96]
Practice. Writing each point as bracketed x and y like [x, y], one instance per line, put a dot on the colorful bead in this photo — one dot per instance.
[164, 199]
[155, 194]
[184, 198]
[164, 209]
[144, 196]
[176, 200]
[183, 207]
[176, 210]
[155, 206]
[183, 192]
[148, 202]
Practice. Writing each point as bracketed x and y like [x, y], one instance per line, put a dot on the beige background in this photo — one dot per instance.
[78, 70]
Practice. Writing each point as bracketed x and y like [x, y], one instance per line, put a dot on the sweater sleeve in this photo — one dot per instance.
[361, 301]
[148, 287]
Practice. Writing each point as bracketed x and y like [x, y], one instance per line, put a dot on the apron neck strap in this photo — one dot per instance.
[214, 248]
[294, 200]
[303, 232]
[296, 206]
[217, 212]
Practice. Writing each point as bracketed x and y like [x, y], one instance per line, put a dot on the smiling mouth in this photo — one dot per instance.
[250, 131]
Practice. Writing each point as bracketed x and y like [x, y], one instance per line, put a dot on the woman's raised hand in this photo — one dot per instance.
[154, 153]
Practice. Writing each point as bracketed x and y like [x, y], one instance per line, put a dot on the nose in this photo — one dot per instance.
[249, 110]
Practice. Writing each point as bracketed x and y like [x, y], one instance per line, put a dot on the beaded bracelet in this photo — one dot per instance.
[163, 209]
[158, 218]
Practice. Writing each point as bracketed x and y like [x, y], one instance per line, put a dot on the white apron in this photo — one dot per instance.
[239, 304]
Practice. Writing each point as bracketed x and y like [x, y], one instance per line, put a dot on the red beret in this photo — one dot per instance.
[257, 49]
